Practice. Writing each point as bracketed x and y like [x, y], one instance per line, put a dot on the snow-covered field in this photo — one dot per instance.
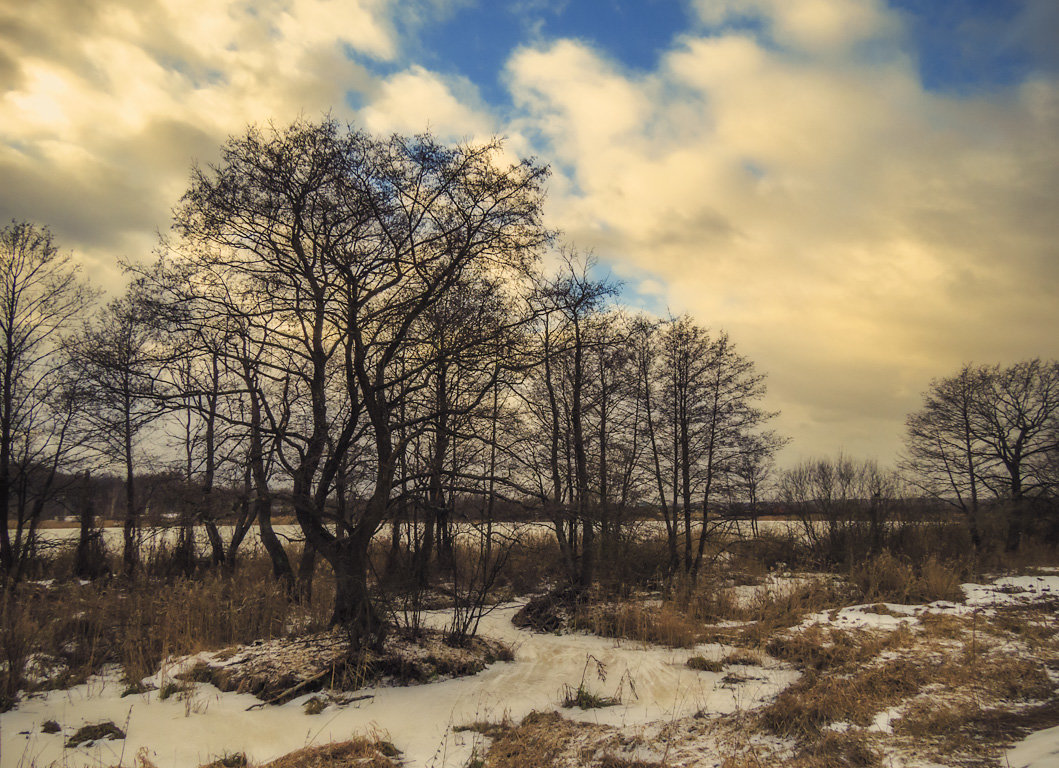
[188, 731]
[656, 688]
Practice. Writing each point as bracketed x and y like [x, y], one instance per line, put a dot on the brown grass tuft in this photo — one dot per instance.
[891, 579]
[818, 700]
[820, 648]
[362, 753]
[538, 741]
[850, 749]
[630, 621]
[702, 664]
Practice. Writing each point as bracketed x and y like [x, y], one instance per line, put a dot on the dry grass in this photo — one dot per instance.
[1003, 677]
[359, 753]
[632, 621]
[820, 647]
[838, 750]
[892, 579]
[86, 734]
[964, 718]
[1032, 626]
[945, 626]
[742, 657]
[547, 740]
[849, 749]
[817, 700]
[539, 740]
[776, 610]
[78, 628]
[702, 664]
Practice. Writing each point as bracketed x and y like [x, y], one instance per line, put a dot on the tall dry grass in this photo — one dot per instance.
[58, 635]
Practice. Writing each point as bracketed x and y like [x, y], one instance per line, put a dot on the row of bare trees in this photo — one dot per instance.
[361, 328]
[989, 436]
[985, 444]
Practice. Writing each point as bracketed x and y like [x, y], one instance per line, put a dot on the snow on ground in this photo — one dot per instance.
[1011, 590]
[880, 616]
[1038, 750]
[182, 732]
[1007, 591]
[773, 585]
[188, 730]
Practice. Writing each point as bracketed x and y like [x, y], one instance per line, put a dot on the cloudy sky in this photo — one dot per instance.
[864, 193]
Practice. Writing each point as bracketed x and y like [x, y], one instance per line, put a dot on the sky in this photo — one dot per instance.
[864, 194]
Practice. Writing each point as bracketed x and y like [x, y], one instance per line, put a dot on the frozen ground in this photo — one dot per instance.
[188, 731]
[1038, 750]
[655, 685]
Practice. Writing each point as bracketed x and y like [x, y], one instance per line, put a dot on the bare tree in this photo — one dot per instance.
[346, 242]
[945, 458]
[835, 497]
[706, 395]
[568, 329]
[753, 471]
[988, 433]
[41, 296]
[118, 364]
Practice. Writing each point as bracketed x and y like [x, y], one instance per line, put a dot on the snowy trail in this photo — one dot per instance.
[417, 719]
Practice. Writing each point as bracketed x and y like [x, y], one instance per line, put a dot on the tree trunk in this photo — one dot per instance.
[281, 567]
[306, 570]
[354, 610]
[130, 550]
[217, 556]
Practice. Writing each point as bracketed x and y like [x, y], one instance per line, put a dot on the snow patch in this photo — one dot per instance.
[1038, 750]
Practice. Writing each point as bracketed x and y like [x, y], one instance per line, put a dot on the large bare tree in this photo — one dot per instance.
[332, 246]
[118, 359]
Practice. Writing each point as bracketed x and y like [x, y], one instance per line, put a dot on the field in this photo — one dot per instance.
[888, 661]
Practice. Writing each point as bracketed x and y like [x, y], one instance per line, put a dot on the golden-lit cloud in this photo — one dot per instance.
[781, 171]
[856, 233]
[107, 102]
[417, 100]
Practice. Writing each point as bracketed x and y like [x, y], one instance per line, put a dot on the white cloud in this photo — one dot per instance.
[417, 100]
[107, 102]
[856, 233]
[824, 27]
[790, 180]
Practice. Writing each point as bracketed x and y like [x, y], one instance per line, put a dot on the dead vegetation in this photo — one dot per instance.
[58, 635]
[955, 685]
[280, 670]
[548, 740]
[354, 753]
[818, 647]
[87, 734]
[818, 700]
[358, 753]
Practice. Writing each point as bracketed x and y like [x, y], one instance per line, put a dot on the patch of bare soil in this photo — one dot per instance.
[277, 671]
